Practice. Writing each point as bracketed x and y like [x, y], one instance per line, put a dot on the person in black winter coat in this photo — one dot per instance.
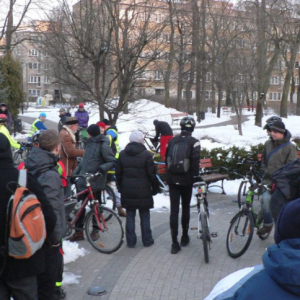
[181, 185]
[18, 279]
[63, 118]
[42, 163]
[98, 157]
[137, 183]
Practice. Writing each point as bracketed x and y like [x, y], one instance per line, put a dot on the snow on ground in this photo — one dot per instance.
[143, 112]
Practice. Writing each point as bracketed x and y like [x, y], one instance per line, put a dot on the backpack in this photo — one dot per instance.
[178, 159]
[287, 179]
[26, 224]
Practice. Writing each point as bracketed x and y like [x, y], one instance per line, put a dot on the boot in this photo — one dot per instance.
[59, 293]
[121, 212]
[175, 248]
[185, 239]
[95, 235]
[77, 236]
[264, 230]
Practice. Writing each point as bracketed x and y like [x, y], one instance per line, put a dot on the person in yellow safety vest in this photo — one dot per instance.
[38, 124]
[112, 133]
[4, 130]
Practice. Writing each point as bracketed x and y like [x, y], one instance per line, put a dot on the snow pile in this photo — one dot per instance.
[72, 251]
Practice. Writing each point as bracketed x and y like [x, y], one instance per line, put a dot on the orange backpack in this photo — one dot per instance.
[26, 223]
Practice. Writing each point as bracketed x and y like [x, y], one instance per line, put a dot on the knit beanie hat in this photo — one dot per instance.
[137, 136]
[278, 126]
[5, 150]
[101, 124]
[288, 222]
[93, 130]
[106, 122]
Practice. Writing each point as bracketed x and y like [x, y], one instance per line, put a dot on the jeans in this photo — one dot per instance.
[20, 289]
[185, 192]
[145, 227]
[267, 214]
[277, 202]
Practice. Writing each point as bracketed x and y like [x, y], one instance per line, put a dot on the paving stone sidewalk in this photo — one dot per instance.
[154, 273]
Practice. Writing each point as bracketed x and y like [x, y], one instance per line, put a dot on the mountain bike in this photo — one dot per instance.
[240, 232]
[103, 227]
[203, 228]
[19, 155]
[253, 176]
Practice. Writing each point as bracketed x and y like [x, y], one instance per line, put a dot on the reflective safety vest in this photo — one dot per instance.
[115, 141]
[12, 141]
[33, 128]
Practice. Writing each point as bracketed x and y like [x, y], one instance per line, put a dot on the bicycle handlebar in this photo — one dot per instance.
[87, 176]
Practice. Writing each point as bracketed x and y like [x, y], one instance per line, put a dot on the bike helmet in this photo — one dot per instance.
[62, 110]
[36, 136]
[42, 114]
[187, 124]
[3, 118]
[270, 122]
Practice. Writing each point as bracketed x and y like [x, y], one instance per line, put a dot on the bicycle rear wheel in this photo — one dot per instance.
[110, 237]
[108, 197]
[242, 193]
[205, 235]
[240, 234]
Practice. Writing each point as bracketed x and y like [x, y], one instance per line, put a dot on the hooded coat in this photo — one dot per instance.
[98, 157]
[136, 177]
[43, 165]
[20, 268]
[277, 279]
[283, 156]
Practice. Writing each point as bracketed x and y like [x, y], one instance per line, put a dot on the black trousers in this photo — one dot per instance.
[185, 193]
[20, 289]
[278, 200]
[47, 279]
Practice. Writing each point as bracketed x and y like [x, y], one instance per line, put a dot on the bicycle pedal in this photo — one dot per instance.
[214, 234]
[193, 228]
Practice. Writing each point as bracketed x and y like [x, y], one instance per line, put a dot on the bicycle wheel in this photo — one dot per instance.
[239, 234]
[242, 193]
[204, 235]
[110, 237]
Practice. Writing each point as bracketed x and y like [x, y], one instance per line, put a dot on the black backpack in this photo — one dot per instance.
[178, 159]
[287, 179]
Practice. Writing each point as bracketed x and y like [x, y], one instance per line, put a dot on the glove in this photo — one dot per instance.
[22, 148]
[197, 178]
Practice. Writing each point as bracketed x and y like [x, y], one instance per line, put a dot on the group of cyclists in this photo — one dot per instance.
[277, 152]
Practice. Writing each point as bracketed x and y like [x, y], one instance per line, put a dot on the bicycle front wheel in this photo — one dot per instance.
[110, 236]
[240, 234]
[204, 235]
[242, 193]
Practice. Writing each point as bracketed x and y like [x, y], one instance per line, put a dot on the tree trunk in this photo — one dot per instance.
[298, 95]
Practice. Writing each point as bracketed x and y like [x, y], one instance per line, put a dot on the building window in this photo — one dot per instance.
[208, 77]
[46, 66]
[159, 75]
[278, 96]
[270, 96]
[159, 91]
[46, 80]
[35, 79]
[296, 80]
[34, 93]
[296, 64]
[45, 53]
[33, 66]
[33, 52]
[274, 80]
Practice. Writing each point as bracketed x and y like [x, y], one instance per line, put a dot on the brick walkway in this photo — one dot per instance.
[154, 273]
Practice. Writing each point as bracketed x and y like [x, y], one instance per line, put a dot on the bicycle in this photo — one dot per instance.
[253, 176]
[100, 218]
[240, 232]
[203, 228]
[19, 155]
[152, 147]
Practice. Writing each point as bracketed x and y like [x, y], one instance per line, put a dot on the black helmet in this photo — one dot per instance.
[36, 136]
[188, 124]
[270, 122]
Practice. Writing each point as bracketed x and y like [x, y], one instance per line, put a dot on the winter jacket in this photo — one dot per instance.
[82, 117]
[12, 141]
[43, 165]
[61, 122]
[21, 268]
[162, 128]
[98, 157]
[194, 148]
[136, 177]
[112, 134]
[69, 152]
[280, 158]
[277, 279]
